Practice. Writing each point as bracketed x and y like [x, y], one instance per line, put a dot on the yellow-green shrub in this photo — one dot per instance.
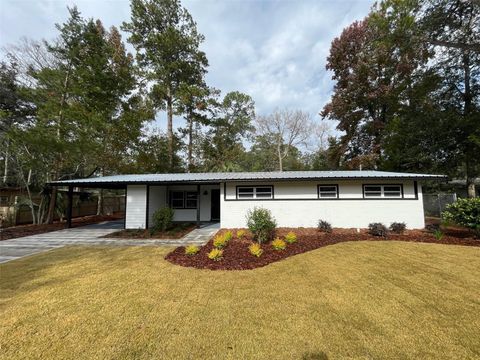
[255, 249]
[291, 237]
[228, 236]
[279, 244]
[215, 254]
[241, 234]
[219, 242]
[191, 250]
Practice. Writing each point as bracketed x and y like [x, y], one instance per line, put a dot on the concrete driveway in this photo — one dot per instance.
[92, 235]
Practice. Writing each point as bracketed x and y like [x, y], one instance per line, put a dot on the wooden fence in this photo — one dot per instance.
[112, 204]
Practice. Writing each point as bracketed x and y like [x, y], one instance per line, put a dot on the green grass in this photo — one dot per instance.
[372, 300]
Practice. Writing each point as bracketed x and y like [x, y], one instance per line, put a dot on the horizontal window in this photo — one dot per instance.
[382, 191]
[328, 191]
[183, 199]
[255, 192]
[191, 199]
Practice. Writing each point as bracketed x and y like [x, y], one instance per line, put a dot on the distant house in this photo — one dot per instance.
[346, 199]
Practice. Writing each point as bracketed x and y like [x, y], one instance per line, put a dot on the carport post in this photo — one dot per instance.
[198, 205]
[69, 206]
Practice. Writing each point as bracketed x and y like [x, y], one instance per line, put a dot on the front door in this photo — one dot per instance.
[215, 201]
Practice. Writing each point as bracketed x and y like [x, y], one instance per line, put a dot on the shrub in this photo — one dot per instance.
[438, 235]
[228, 236]
[464, 212]
[215, 254]
[324, 226]
[291, 237]
[279, 244]
[191, 250]
[219, 242]
[255, 249]
[377, 229]
[241, 234]
[261, 223]
[162, 219]
[398, 227]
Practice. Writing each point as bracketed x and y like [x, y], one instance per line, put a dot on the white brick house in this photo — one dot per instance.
[346, 199]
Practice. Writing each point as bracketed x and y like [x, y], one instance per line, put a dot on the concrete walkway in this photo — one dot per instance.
[92, 235]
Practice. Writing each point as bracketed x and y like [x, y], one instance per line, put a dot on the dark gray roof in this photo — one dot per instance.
[244, 176]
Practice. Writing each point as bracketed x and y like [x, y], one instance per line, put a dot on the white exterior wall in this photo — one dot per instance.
[136, 207]
[349, 211]
[158, 198]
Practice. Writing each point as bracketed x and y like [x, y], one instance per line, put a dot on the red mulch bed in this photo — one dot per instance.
[26, 230]
[236, 255]
[175, 233]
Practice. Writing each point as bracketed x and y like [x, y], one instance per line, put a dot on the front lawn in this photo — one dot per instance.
[350, 300]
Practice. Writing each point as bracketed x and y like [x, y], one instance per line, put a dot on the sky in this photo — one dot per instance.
[275, 51]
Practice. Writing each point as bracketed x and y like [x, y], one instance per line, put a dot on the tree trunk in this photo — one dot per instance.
[170, 128]
[190, 144]
[471, 191]
[280, 160]
[100, 203]
[51, 205]
[5, 171]
[467, 98]
[63, 101]
[100, 198]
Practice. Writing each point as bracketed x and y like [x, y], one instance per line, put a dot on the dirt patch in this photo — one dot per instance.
[236, 255]
[176, 232]
[26, 230]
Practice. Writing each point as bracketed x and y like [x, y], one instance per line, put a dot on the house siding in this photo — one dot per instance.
[158, 198]
[136, 207]
[296, 204]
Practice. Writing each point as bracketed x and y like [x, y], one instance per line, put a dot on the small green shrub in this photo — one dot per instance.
[377, 229]
[398, 227]
[162, 219]
[438, 235]
[324, 226]
[241, 234]
[215, 254]
[191, 250]
[255, 249]
[219, 242]
[279, 244]
[261, 223]
[291, 237]
[464, 212]
[228, 236]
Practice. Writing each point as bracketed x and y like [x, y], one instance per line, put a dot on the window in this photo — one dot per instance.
[382, 191]
[176, 199]
[255, 192]
[191, 199]
[328, 191]
[183, 199]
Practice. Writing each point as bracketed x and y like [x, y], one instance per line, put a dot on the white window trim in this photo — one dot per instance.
[319, 191]
[254, 194]
[382, 191]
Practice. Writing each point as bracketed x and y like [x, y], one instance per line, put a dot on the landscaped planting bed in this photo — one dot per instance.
[237, 256]
[177, 231]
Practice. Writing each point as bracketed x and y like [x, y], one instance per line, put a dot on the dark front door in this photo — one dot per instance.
[215, 213]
